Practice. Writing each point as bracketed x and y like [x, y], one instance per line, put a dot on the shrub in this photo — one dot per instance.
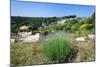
[34, 32]
[44, 31]
[57, 48]
[86, 26]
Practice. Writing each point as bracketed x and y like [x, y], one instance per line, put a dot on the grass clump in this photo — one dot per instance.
[57, 48]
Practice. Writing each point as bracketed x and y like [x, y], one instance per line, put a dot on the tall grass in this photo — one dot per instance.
[57, 48]
[22, 54]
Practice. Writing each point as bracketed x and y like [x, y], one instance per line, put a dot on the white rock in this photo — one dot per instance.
[80, 39]
[61, 21]
[29, 33]
[24, 34]
[23, 27]
[52, 30]
[32, 38]
[19, 33]
[12, 41]
[91, 36]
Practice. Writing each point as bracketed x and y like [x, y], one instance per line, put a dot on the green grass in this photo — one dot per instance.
[57, 48]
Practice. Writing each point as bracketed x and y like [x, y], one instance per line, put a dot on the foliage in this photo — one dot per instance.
[57, 48]
[72, 24]
[86, 26]
[75, 27]
[70, 16]
[83, 32]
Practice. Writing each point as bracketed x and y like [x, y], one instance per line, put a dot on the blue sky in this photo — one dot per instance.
[34, 9]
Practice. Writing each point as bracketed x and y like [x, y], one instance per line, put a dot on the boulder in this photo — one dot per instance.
[24, 27]
[80, 39]
[91, 36]
[24, 34]
[12, 40]
[32, 38]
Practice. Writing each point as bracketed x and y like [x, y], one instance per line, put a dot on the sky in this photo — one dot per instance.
[38, 9]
